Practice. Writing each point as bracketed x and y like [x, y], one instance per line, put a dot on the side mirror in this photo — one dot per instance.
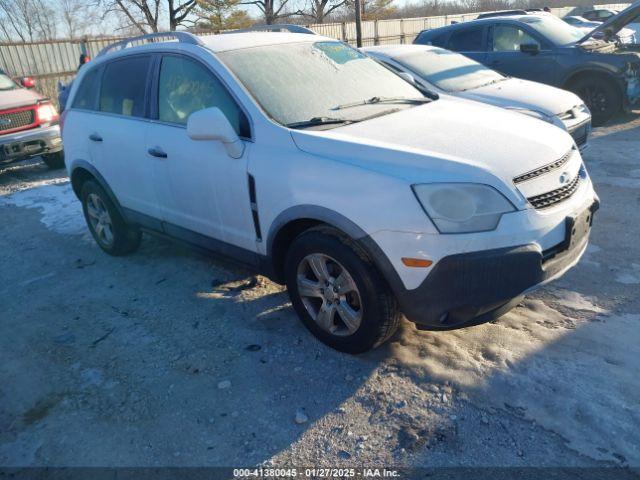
[407, 77]
[530, 48]
[212, 124]
[27, 82]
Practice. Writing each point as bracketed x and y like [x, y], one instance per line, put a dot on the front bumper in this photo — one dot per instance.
[466, 289]
[29, 143]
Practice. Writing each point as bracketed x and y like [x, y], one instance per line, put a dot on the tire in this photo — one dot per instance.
[370, 308]
[108, 228]
[54, 160]
[601, 95]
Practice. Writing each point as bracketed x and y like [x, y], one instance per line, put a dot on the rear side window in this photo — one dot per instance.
[123, 87]
[466, 40]
[186, 86]
[87, 91]
[439, 40]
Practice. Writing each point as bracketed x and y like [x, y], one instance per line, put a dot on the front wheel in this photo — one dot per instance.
[54, 160]
[601, 96]
[338, 293]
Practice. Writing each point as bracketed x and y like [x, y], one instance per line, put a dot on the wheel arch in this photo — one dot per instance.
[592, 71]
[296, 220]
[82, 171]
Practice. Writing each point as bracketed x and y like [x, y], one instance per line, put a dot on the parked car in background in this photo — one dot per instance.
[599, 15]
[28, 124]
[626, 35]
[443, 71]
[319, 167]
[543, 48]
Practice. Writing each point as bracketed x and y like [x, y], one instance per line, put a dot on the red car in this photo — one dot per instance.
[28, 124]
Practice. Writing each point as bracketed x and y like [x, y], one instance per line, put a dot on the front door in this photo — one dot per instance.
[201, 190]
[505, 56]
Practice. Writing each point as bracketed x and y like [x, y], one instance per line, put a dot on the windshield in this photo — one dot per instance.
[297, 82]
[6, 83]
[448, 70]
[554, 29]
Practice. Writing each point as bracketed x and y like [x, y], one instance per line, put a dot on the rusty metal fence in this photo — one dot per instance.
[52, 61]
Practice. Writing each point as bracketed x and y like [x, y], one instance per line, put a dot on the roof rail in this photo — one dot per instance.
[278, 27]
[182, 37]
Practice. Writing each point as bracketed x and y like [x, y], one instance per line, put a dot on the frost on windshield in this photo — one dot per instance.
[297, 82]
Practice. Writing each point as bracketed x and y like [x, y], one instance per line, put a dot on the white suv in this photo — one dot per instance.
[303, 158]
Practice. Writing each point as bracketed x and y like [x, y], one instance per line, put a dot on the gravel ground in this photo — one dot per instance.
[169, 358]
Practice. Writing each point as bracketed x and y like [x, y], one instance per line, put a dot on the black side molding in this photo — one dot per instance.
[254, 207]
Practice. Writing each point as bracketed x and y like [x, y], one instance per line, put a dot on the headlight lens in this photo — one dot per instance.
[583, 109]
[462, 207]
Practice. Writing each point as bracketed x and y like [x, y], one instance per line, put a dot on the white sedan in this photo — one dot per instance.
[443, 71]
[626, 35]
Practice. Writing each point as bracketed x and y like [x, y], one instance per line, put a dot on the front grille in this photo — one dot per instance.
[553, 197]
[17, 120]
[545, 169]
[580, 134]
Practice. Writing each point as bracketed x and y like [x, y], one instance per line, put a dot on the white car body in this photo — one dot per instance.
[238, 197]
[554, 105]
[626, 35]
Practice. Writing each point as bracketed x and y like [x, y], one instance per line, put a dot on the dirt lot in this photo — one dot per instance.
[167, 357]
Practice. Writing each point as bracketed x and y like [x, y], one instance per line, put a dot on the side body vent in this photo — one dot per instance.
[254, 207]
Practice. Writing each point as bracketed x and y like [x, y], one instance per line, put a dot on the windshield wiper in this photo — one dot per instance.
[376, 100]
[316, 121]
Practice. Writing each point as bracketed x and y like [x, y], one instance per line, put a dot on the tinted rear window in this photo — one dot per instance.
[87, 92]
[466, 40]
[123, 87]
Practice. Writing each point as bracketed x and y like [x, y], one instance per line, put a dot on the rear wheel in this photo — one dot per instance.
[106, 225]
[54, 160]
[601, 96]
[338, 293]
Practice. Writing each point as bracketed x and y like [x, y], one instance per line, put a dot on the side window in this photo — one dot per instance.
[123, 86]
[185, 86]
[467, 40]
[439, 40]
[86, 96]
[507, 38]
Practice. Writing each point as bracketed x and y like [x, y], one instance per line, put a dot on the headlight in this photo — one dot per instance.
[583, 109]
[462, 207]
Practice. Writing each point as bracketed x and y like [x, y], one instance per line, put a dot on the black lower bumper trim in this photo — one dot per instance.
[466, 289]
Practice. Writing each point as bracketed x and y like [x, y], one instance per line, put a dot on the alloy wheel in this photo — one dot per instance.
[329, 294]
[100, 219]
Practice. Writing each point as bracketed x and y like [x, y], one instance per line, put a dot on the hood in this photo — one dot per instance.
[614, 24]
[20, 97]
[523, 94]
[449, 139]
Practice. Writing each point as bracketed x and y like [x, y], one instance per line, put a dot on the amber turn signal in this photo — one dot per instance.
[416, 262]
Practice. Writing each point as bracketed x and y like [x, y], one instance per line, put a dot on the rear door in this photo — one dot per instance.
[505, 56]
[470, 41]
[117, 133]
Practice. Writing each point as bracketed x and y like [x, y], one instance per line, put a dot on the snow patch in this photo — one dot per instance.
[61, 211]
[544, 366]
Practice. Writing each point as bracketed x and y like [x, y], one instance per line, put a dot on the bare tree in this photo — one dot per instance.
[27, 20]
[271, 10]
[319, 10]
[77, 17]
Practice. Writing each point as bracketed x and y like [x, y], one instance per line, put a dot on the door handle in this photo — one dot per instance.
[157, 152]
[95, 137]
